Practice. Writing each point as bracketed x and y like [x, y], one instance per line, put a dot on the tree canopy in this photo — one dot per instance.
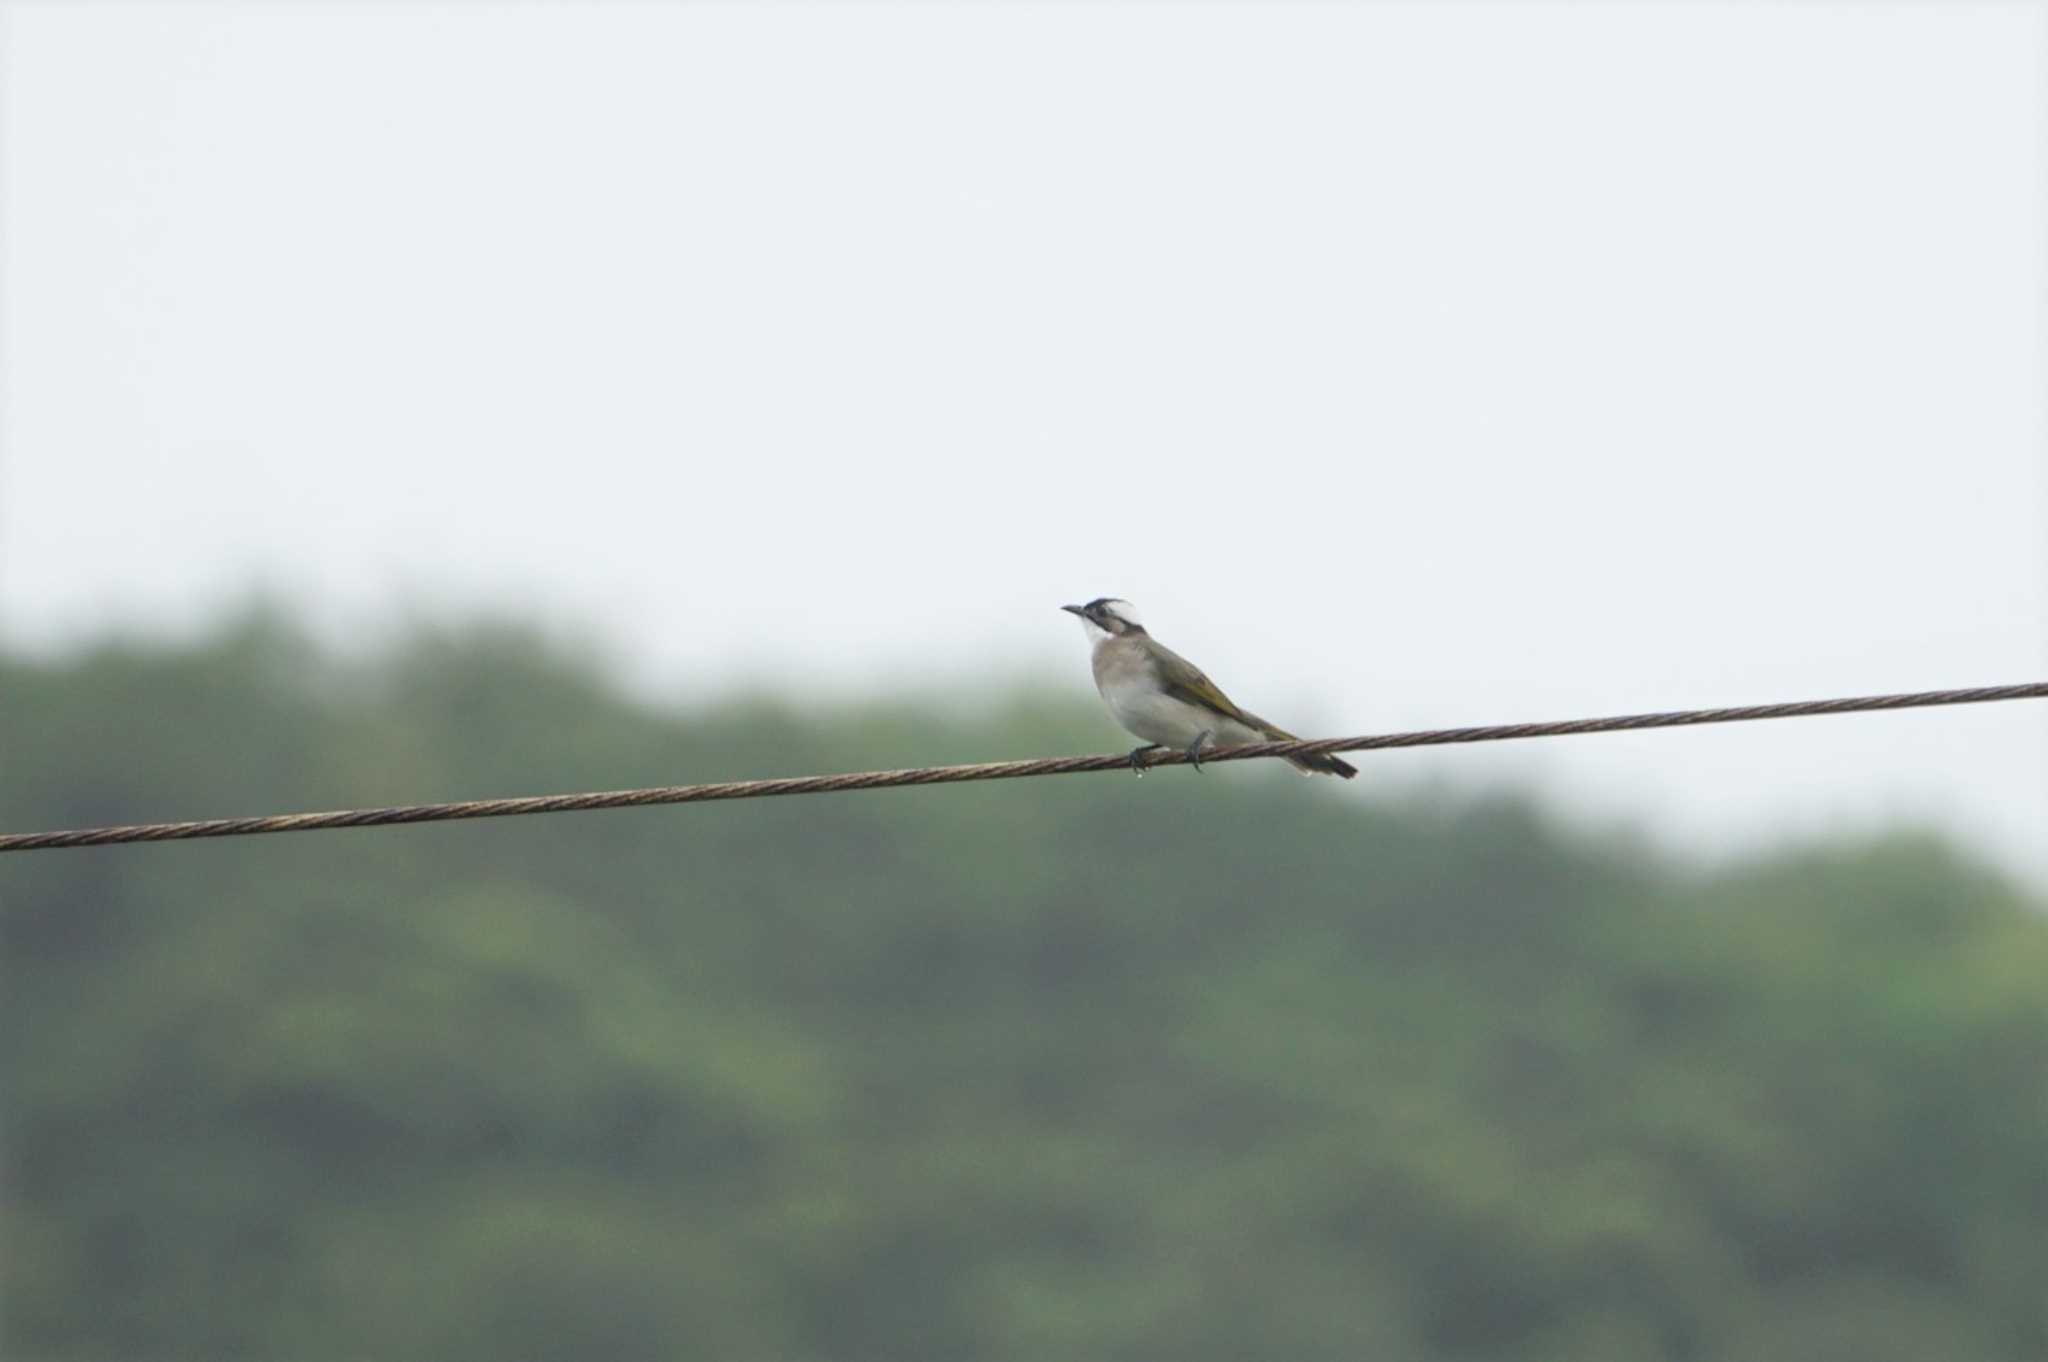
[1220, 1066]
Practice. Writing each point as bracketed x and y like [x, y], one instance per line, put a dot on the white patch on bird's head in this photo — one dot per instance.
[1122, 610]
[1107, 617]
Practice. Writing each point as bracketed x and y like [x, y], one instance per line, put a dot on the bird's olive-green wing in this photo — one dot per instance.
[1184, 681]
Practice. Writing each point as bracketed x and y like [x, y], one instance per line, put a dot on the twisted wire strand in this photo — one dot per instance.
[991, 770]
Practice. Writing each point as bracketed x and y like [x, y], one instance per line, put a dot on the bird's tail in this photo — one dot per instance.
[1328, 764]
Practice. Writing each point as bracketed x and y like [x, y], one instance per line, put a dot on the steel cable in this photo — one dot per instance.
[992, 770]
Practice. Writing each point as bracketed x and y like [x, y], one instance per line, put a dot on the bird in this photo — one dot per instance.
[1160, 696]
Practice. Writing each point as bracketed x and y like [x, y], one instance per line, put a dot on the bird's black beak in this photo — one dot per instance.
[1080, 610]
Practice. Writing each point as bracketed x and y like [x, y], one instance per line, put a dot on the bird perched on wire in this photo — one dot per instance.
[1165, 699]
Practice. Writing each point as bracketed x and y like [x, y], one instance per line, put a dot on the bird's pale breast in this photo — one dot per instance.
[1128, 679]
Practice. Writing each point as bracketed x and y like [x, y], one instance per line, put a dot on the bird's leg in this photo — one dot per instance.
[1195, 750]
[1137, 752]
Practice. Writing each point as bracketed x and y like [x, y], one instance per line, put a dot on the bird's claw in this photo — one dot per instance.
[1136, 752]
[1195, 750]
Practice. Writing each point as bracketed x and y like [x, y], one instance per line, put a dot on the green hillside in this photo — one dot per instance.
[1224, 1066]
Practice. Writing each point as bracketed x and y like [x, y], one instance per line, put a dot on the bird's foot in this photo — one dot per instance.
[1195, 750]
[1137, 752]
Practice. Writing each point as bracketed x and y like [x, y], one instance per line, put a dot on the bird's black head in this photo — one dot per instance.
[1107, 615]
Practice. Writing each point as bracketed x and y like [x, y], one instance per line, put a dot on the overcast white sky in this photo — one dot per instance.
[1410, 364]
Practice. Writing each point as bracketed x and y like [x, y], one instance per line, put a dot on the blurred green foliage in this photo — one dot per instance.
[1227, 1066]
